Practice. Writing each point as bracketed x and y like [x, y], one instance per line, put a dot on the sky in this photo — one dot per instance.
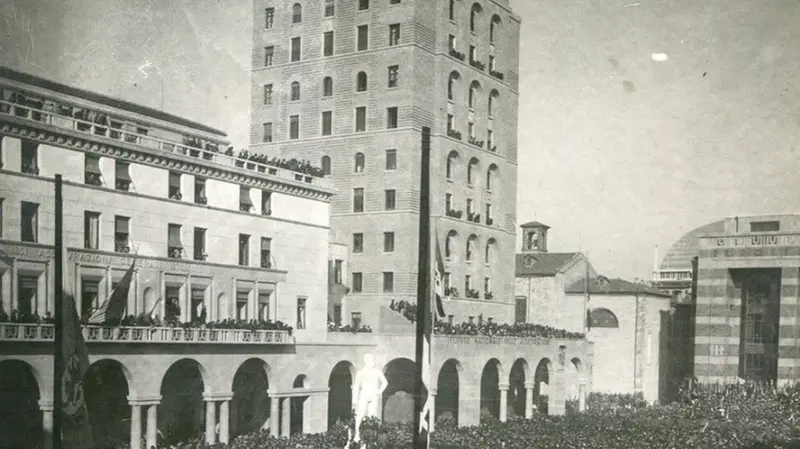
[618, 153]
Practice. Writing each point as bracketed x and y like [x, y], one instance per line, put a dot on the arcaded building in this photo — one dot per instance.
[350, 85]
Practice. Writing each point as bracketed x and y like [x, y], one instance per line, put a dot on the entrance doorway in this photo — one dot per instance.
[760, 318]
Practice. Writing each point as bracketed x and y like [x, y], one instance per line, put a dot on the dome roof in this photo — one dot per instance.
[679, 256]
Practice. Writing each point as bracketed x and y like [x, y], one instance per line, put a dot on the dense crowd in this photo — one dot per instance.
[300, 166]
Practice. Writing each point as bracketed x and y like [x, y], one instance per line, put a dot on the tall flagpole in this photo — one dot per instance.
[587, 317]
[58, 360]
[423, 282]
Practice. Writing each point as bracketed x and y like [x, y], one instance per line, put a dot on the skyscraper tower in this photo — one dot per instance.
[348, 85]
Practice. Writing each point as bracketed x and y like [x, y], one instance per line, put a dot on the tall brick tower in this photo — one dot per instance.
[348, 85]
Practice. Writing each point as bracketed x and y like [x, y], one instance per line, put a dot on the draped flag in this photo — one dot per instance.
[439, 282]
[149, 315]
[113, 308]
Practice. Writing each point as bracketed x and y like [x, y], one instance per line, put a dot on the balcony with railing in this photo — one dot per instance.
[35, 109]
[672, 276]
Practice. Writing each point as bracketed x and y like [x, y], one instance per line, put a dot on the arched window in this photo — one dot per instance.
[474, 15]
[359, 163]
[603, 318]
[327, 86]
[471, 168]
[449, 244]
[361, 82]
[490, 251]
[494, 25]
[451, 84]
[494, 96]
[474, 90]
[297, 13]
[472, 241]
[451, 160]
[490, 175]
[294, 91]
[326, 165]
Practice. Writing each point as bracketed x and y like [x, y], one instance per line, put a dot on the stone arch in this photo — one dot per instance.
[326, 165]
[361, 81]
[543, 379]
[20, 392]
[359, 162]
[450, 243]
[472, 170]
[398, 398]
[490, 389]
[297, 405]
[452, 161]
[448, 386]
[297, 13]
[340, 393]
[452, 80]
[181, 411]
[602, 317]
[494, 27]
[576, 377]
[491, 176]
[301, 381]
[520, 373]
[475, 90]
[494, 100]
[106, 387]
[327, 86]
[491, 251]
[250, 405]
[472, 245]
[475, 14]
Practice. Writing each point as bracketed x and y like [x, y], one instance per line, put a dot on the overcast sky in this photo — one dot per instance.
[618, 152]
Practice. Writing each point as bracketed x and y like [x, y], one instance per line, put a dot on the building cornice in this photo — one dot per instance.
[106, 147]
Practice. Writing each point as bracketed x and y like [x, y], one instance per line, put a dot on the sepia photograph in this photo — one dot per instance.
[399, 224]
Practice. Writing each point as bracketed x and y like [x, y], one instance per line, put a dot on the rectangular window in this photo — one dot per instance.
[450, 119]
[394, 34]
[295, 46]
[301, 313]
[355, 319]
[327, 123]
[765, 226]
[388, 242]
[337, 271]
[469, 206]
[267, 94]
[29, 155]
[2, 206]
[267, 132]
[394, 2]
[489, 140]
[363, 37]
[452, 9]
[473, 53]
[361, 119]
[244, 249]
[266, 252]
[448, 202]
[122, 176]
[91, 168]
[174, 241]
[330, 8]
[327, 43]
[294, 127]
[28, 287]
[391, 160]
[266, 202]
[269, 18]
[200, 191]
[269, 56]
[91, 230]
[391, 117]
[491, 62]
[388, 282]
[241, 304]
[487, 285]
[89, 296]
[363, 4]
[358, 199]
[174, 187]
[30, 222]
[358, 243]
[471, 130]
[245, 202]
[358, 282]
[467, 283]
[488, 213]
[200, 244]
[451, 42]
[122, 234]
[389, 199]
[394, 74]
[446, 283]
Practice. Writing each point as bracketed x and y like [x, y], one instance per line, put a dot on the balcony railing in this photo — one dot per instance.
[126, 135]
[677, 275]
[46, 332]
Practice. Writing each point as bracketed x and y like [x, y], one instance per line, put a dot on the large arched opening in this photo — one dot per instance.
[447, 389]
[250, 405]
[490, 390]
[542, 385]
[340, 394]
[105, 389]
[181, 413]
[398, 398]
[516, 388]
[20, 417]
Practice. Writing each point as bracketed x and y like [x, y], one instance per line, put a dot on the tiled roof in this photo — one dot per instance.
[534, 224]
[545, 264]
[605, 286]
[680, 254]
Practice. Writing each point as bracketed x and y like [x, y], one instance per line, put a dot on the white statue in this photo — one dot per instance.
[367, 390]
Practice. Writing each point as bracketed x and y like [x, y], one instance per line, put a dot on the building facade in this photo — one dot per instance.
[351, 85]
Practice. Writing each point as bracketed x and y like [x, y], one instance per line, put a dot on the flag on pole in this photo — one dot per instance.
[113, 308]
[439, 282]
[587, 293]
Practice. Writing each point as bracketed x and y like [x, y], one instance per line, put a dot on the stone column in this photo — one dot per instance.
[47, 422]
[582, 396]
[152, 426]
[136, 426]
[286, 418]
[224, 421]
[274, 414]
[432, 394]
[530, 389]
[211, 421]
[503, 402]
